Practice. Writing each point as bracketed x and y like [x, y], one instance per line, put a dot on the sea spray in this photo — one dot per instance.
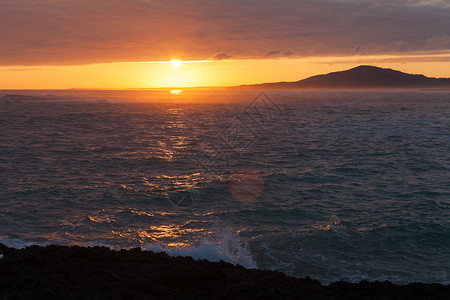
[224, 246]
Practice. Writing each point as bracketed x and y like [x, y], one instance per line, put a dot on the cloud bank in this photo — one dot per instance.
[68, 32]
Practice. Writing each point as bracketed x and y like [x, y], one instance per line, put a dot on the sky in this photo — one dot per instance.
[129, 44]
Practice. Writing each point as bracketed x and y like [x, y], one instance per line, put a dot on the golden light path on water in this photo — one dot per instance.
[172, 235]
[244, 186]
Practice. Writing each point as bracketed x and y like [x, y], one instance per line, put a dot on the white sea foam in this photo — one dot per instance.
[227, 248]
[16, 243]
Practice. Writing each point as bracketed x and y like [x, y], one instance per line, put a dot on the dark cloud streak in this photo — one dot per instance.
[221, 56]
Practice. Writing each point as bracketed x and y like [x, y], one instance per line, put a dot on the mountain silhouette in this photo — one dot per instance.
[362, 77]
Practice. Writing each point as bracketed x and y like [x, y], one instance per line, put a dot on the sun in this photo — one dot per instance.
[175, 62]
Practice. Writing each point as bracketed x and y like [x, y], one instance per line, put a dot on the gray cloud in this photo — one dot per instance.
[388, 60]
[289, 53]
[77, 32]
[277, 53]
[221, 56]
[438, 42]
[271, 53]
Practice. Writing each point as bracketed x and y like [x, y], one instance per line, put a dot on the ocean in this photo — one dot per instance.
[335, 185]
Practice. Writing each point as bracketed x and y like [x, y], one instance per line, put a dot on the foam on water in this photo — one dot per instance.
[227, 247]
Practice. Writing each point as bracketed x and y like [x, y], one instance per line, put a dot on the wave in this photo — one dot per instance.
[327, 253]
[225, 246]
[227, 250]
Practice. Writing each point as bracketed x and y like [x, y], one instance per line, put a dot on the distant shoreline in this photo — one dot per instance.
[361, 77]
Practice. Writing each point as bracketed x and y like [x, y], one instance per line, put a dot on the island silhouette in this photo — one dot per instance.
[361, 77]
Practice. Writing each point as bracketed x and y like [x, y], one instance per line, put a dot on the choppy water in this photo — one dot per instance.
[332, 185]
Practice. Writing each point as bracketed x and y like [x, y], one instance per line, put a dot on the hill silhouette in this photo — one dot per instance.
[362, 77]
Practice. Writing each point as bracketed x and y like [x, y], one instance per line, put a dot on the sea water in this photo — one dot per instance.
[351, 185]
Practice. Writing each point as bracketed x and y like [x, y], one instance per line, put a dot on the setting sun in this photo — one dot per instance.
[175, 62]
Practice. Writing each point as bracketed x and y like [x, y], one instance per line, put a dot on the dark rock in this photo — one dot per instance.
[99, 273]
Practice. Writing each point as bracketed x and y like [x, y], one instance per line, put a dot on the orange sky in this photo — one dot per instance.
[119, 44]
[203, 73]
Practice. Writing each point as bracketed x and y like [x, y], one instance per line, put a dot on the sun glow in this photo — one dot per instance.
[230, 72]
[176, 63]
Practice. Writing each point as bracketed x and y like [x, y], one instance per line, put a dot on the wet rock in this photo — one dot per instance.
[99, 273]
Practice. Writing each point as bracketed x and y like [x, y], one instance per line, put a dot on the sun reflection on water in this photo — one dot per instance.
[175, 92]
[172, 235]
[175, 139]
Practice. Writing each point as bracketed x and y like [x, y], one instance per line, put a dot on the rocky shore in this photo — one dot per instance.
[99, 273]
